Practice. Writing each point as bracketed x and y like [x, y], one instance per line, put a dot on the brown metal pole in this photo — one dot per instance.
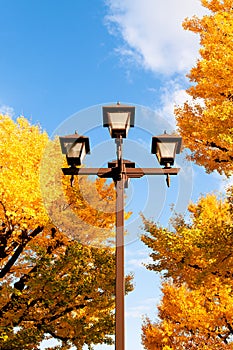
[120, 280]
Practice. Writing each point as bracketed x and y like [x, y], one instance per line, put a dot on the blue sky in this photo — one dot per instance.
[62, 60]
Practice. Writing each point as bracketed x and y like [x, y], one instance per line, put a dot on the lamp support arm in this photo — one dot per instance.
[130, 172]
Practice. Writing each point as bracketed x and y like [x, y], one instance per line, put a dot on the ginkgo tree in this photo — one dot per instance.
[205, 121]
[196, 261]
[195, 256]
[57, 272]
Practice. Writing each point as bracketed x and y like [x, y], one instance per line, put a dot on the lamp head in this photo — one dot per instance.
[165, 147]
[75, 147]
[118, 118]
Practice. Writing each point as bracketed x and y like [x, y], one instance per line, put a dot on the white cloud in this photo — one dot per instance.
[139, 311]
[172, 94]
[224, 182]
[138, 263]
[7, 110]
[137, 259]
[152, 32]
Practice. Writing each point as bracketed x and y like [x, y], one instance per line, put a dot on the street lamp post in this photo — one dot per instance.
[119, 118]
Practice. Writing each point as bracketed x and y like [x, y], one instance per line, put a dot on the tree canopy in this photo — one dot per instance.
[54, 282]
[195, 256]
[205, 122]
[196, 260]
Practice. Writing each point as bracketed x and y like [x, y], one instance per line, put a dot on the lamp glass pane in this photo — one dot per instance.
[82, 153]
[68, 146]
[74, 150]
[167, 149]
[118, 120]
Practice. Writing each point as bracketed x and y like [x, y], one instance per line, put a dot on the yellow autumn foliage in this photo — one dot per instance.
[21, 147]
[57, 272]
[196, 261]
[205, 122]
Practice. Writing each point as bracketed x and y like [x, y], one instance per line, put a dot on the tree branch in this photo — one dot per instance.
[18, 251]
